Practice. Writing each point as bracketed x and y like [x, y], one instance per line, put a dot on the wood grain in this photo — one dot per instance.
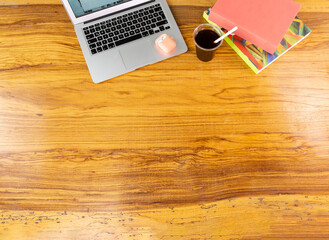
[177, 150]
[272, 217]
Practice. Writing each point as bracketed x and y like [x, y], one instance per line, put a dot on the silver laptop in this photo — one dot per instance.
[118, 36]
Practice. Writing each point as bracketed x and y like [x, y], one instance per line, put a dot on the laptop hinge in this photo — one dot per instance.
[123, 10]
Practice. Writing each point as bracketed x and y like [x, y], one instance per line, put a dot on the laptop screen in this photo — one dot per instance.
[84, 7]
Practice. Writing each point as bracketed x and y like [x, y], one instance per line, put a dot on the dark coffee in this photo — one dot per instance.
[205, 39]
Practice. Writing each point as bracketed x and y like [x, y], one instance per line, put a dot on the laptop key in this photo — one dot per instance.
[105, 47]
[91, 41]
[151, 32]
[111, 45]
[99, 44]
[91, 46]
[90, 36]
[145, 34]
[127, 40]
[161, 23]
[115, 38]
[121, 36]
[93, 51]
[99, 49]
[168, 27]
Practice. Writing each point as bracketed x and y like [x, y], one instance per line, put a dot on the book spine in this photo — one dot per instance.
[234, 47]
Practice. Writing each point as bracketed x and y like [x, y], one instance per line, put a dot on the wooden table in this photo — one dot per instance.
[177, 150]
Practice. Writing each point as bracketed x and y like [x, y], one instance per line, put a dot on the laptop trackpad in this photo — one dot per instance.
[137, 55]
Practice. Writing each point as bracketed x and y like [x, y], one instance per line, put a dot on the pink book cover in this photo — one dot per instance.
[261, 22]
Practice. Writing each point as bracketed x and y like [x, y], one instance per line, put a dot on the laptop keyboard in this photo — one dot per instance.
[126, 28]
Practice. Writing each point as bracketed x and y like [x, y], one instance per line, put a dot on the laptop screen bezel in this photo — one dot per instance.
[76, 20]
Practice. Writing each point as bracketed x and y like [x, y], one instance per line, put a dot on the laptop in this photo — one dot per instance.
[118, 36]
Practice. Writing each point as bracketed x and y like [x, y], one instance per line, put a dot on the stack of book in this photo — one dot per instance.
[257, 58]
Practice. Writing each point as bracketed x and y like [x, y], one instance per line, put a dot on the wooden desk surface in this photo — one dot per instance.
[177, 150]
